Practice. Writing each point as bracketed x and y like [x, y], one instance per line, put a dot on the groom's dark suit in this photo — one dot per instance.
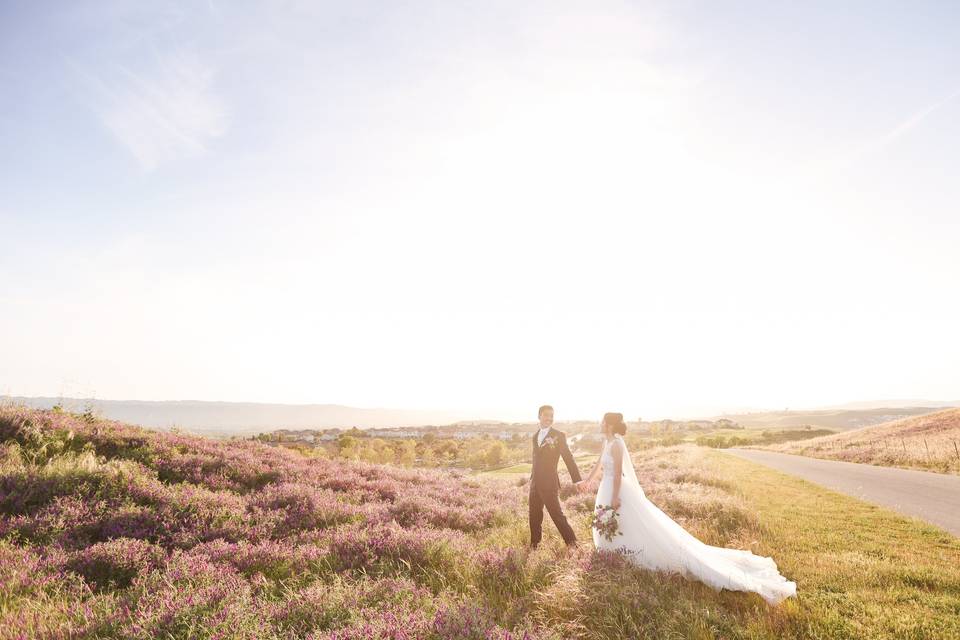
[545, 484]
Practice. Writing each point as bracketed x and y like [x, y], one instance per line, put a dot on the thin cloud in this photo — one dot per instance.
[166, 112]
[877, 144]
[910, 123]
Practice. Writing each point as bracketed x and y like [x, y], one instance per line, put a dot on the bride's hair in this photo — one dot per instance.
[615, 420]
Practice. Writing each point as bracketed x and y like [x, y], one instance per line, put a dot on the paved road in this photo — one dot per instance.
[934, 497]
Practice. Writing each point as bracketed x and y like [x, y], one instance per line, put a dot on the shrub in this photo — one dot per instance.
[276, 561]
[302, 507]
[341, 603]
[387, 549]
[115, 563]
[193, 597]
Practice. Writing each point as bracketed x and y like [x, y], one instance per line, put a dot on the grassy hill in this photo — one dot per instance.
[840, 419]
[236, 418]
[111, 531]
[930, 442]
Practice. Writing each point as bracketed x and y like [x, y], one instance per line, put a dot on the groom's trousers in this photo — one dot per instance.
[550, 500]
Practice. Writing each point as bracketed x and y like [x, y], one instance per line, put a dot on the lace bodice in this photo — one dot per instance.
[606, 459]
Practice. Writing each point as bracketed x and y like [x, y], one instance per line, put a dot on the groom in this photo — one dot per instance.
[548, 446]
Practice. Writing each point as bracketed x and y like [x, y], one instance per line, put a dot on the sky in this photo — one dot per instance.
[660, 208]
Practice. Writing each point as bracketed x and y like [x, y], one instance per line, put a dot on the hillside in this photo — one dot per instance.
[834, 419]
[179, 536]
[112, 531]
[238, 418]
[896, 402]
[930, 442]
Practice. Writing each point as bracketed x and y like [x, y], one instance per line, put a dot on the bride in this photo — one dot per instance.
[652, 540]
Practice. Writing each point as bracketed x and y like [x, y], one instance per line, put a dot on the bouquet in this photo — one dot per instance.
[605, 521]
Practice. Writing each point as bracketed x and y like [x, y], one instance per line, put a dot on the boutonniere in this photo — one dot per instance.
[549, 441]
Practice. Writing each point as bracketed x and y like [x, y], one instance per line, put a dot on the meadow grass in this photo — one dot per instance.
[862, 571]
[108, 531]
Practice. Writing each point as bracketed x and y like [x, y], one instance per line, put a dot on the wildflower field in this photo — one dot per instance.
[112, 531]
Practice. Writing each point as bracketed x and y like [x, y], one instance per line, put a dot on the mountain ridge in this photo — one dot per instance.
[214, 416]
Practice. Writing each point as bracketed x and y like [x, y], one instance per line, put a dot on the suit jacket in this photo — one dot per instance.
[543, 475]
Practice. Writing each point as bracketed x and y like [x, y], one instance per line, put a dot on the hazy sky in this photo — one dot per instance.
[663, 208]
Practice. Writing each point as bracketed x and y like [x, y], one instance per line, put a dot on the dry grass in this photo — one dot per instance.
[862, 571]
[930, 442]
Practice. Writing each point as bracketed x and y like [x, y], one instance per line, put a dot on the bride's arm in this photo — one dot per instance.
[617, 452]
[593, 473]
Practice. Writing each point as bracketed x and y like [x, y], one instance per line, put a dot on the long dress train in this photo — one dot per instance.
[651, 539]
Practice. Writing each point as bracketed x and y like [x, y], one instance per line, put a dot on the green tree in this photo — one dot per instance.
[406, 453]
[347, 447]
[495, 454]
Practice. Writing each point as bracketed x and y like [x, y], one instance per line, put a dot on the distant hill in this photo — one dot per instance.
[836, 419]
[882, 404]
[930, 441]
[239, 417]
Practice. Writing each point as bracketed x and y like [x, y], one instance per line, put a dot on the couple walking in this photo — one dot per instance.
[644, 533]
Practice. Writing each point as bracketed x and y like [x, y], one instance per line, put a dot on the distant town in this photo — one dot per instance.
[468, 430]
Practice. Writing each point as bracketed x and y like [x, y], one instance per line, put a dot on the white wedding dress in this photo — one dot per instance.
[652, 540]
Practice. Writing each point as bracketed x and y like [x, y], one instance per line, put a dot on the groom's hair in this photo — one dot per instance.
[542, 409]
